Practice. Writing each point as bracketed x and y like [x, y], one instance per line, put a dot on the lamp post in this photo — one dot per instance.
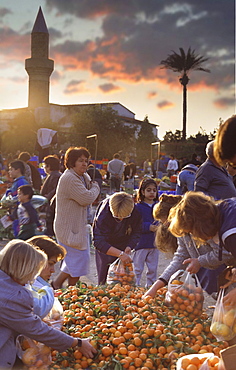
[158, 143]
[94, 136]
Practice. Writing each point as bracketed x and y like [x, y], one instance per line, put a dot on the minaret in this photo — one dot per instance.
[39, 67]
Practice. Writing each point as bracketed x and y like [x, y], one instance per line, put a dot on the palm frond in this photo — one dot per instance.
[184, 62]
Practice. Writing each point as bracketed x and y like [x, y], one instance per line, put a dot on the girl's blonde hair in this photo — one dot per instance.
[164, 240]
[166, 202]
[197, 214]
[121, 204]
[22, 261]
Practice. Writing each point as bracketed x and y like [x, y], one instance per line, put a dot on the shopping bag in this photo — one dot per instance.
[32, 353]
[185, 294]
[55, 317]
[223, 325]
[204, 361]
[119, 272]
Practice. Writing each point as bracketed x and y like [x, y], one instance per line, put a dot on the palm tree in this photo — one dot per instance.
[184, 63]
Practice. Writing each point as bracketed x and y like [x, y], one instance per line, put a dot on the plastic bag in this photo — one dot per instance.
[32, 353]
[223, 325]
[119, 272]
[55, 317]
[185, 294]
[206, 360]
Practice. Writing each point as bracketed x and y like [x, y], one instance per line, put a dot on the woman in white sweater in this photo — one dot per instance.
[75, 192]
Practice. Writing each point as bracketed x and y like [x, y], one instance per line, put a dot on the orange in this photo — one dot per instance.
[106, 351]
[195, 361]
[192, 367]
[185, 362]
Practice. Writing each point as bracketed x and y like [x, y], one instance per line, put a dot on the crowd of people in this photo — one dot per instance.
[198, 225]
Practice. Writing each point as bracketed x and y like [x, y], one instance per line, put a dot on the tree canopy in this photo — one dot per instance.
[112, 133]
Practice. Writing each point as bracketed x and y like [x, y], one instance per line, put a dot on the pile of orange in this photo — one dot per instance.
[185, 298]
[129, 332]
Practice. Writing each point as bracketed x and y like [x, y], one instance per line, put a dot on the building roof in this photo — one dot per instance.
[89, 104]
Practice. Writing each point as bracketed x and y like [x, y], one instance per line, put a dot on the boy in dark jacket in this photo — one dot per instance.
[116, 231]
[26, 213]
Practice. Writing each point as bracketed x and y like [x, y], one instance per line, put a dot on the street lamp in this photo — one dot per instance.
[158, 143]
[158, 149]
[94, 136]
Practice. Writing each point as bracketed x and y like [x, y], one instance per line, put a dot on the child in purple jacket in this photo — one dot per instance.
[145, 250]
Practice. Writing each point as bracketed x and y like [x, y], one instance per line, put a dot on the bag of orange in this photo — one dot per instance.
[55, 317]
[205, 361]
[33, 354]
[119, 272]
[185, 294]
[223, 325]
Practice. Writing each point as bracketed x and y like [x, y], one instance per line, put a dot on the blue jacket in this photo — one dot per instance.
[147, 236]
[108, 232]
[43, 295]
[15, 185]
[26, 214]
[17, 317]
[215, 181]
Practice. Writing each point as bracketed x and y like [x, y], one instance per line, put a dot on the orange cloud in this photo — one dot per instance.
[224, 103]
[165, 104]
[75, 87]
[152, 94]
[16, 47]
[109, 87]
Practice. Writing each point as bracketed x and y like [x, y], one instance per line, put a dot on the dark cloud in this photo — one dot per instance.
[137, 35]
[55, 77]
[4, 11]
[75, 83]
[224, 102]
[15, 45]
[109, 87]
[75, 87]
[165, 104]
[54, 34]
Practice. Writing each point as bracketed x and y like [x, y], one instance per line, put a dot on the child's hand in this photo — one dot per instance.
[194, 265]
[153, 289]
[230, 298]
[153, 228]
[40, 228]
[128, 250]
[231, 276]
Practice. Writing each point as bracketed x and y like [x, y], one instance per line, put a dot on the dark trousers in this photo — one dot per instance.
[115, 183]
[103, 262]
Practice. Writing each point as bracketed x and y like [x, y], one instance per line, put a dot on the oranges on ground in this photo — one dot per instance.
[131, 332]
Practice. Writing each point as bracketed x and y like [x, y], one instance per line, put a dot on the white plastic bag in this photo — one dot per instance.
[185, 294]
[204, 364]
[119, 272]
[32, 353]
[223, 325]
[55, 317]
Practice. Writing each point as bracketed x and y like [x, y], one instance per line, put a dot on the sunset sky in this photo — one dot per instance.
[110, 51]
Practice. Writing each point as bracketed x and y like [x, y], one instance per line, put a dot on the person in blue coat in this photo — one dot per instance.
[20, 262]
[145, 250]
[116, 231]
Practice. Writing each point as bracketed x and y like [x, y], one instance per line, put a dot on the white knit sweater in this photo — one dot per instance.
[72, 200]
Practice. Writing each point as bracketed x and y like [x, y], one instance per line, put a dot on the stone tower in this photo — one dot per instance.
[39, 67]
